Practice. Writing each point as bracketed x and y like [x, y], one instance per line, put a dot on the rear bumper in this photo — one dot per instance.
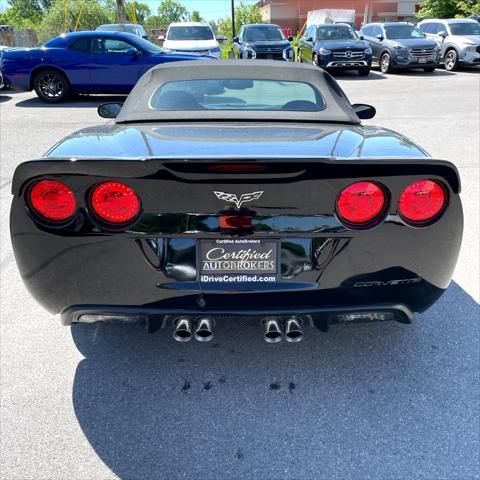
[348, 64]
[156, 318]
[18, 81]
[280, 56]
[474, 61]
[389, 265]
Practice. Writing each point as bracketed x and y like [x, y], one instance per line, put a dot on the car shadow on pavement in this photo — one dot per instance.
[79, 101]
[352, 75]
[475, 69]
[381, 400]
[11, 91]
[4, 98]
[420, 73]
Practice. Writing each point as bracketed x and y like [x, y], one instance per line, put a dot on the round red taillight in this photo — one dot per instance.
[52, 200]
[421, 201]
[361, 202]
[115, 202]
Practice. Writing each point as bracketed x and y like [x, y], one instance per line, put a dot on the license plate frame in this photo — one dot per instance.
[239, 259]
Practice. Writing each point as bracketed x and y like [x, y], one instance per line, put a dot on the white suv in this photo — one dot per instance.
[459, 39]
[191, 37]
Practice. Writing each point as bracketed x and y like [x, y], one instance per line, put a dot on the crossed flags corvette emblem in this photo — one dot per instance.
[245, 197]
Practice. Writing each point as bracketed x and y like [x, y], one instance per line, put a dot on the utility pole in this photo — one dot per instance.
[230, 52]
[233, 19]
[121, 11]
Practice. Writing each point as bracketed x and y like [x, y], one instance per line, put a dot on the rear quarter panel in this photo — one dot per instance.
[20, 66]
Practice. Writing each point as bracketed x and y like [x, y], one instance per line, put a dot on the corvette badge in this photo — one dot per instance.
[245, 197]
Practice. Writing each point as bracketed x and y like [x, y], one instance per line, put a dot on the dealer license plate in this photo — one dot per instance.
[238, 259]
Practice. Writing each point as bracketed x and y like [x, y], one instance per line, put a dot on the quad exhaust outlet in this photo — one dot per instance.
[273, 331]
[203, 331]
[183, 330]
[293, 330]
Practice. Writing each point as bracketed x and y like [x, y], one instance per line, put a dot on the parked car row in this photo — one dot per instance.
[111, 61]
[392, 45]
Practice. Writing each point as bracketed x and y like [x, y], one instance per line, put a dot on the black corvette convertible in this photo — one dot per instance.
[236, 192]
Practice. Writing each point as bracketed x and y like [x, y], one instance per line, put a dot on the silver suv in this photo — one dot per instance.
[459, 39]
[399, 45]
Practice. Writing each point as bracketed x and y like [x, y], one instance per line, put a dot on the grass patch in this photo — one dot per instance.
[226, 47]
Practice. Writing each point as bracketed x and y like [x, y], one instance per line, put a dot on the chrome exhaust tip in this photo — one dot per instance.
[204, 332]
[273, 331]
[183, 329]
[293, 330]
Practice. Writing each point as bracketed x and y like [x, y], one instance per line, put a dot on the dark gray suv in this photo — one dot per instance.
[400, 45]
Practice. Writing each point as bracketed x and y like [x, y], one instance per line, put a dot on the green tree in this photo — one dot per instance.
[244, 14]
[25, 13]
[29, 6]
[195, 16]
[84, 15]
[12, 16]
[468, 7]
[153, 21]
[137, 12]
[448, 8]
[171, 11]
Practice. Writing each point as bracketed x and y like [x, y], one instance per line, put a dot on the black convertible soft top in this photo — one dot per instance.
[137, 106]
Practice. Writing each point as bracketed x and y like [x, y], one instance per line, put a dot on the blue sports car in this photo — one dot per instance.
[84, 62]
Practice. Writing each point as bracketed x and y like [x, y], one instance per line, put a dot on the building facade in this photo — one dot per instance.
[292, 14]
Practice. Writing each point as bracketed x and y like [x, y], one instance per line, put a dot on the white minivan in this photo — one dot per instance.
[191, 37]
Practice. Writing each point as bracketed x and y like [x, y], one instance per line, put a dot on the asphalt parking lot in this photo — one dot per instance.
[363, 401]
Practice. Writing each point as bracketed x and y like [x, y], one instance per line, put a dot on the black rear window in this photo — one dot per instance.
[237, 94]
[80, 45]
